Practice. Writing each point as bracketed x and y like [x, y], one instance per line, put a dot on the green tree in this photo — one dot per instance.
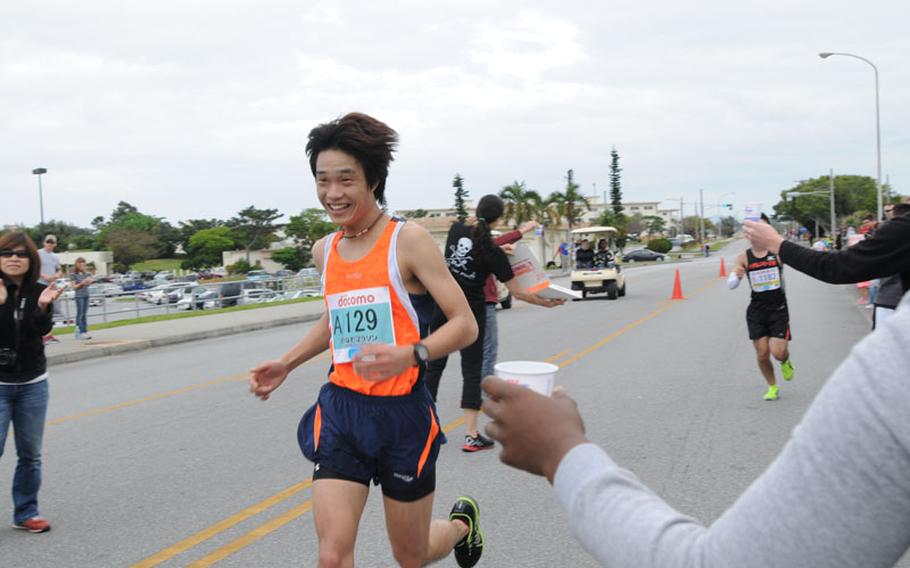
[130, 246]
[190, 227]
[691, 225]
[293, 258]
[615, 182]
[461, 195]
[127, 217]
[570, 203]
[727, 226]
[308, 227]
[254, 228]
[653, 224]
[416, 213]
[68, 236]
[852, 194]
[522, 204]
[206, 245]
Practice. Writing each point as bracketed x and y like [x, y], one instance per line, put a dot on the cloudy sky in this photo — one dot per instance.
[199, 108]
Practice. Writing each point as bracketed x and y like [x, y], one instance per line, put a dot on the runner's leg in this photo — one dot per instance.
[337, 506]
[471, 366]
[763, 351]
[416, 540]
[780, 348]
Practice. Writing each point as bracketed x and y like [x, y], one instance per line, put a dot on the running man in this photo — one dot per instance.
[374, 420]
[767, 315]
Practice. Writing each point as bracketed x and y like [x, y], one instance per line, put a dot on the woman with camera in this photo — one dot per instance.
[26, 314]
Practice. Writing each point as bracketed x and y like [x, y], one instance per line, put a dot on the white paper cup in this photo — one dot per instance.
[753, 212]
[537, 376]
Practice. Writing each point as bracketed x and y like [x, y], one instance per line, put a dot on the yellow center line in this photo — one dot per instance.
[300, 510]
[255, 534]
[562, 353]
[222, 526]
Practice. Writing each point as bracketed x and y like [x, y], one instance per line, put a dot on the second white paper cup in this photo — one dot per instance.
[537, 376]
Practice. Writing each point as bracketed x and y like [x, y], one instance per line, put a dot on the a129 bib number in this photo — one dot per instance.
[360, 317]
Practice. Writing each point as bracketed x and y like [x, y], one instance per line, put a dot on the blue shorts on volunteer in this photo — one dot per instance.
[392, 441]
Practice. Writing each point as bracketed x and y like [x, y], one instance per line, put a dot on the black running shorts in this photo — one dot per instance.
[768, 322]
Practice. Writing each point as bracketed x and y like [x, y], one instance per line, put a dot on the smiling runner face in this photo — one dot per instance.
[341, 186]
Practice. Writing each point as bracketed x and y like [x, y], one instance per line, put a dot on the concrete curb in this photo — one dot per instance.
[142, 344]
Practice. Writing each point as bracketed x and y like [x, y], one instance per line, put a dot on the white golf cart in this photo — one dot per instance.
[597, 272]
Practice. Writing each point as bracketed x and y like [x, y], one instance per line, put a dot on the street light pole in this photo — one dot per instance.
[833, 218]
[878, 132]
[38, 172]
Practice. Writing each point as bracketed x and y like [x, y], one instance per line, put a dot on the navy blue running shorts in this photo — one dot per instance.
[392, 441]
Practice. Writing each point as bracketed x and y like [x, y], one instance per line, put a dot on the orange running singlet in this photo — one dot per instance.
[368, 304]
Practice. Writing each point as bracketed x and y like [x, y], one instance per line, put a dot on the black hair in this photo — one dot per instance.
[490, 208]
[901, 209]
[17, 239]
[368, 140]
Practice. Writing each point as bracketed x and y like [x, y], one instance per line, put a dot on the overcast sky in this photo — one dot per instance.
[200, 108]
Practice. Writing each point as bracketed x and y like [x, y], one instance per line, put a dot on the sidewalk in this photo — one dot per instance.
[136, 337]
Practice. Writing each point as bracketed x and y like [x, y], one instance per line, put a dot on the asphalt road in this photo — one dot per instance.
[162, 458]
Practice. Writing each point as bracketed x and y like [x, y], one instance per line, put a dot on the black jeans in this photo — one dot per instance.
[471, 360]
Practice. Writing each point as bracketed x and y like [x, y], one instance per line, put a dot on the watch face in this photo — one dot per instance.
[423, 354]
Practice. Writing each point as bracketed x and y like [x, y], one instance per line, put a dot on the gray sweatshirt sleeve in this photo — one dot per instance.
[837, 495]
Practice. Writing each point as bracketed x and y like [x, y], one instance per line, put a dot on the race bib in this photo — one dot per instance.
[765, 280]
[358, 318]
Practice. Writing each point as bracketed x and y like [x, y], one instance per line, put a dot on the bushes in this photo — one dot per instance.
[662, 246]
[239, 267]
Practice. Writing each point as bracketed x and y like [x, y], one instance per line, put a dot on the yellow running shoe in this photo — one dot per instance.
[787, 369]
[772, 393]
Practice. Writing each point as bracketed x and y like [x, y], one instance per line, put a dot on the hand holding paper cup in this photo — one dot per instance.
[535, 375]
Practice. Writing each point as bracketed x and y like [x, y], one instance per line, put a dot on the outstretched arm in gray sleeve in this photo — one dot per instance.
[838, 495]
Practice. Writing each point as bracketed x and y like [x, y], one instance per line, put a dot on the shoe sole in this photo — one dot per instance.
[33, 531]
[472, 449]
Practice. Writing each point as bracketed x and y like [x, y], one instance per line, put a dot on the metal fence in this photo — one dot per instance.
[108, 302]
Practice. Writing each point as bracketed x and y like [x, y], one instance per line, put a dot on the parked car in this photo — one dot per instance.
[201, 296]
[643, 255]
[257, 296]
[229, 293]
[256, 275]
[284, 274]
[99, 291]
[161, 294]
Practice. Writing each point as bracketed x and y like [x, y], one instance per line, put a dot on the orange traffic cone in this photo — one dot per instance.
[723, 269]
[677, 288]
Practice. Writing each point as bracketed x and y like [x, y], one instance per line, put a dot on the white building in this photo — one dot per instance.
[102, 260]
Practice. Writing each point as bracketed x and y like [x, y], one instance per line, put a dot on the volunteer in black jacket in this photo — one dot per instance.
[885, 253]
[26, 314]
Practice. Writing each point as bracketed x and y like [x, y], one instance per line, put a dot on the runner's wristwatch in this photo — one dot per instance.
[421, 355]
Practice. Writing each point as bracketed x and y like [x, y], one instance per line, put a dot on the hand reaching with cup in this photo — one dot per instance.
[528, 226]
[535, 431]
[763, 236]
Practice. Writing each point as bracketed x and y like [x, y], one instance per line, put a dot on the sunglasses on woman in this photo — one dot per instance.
[12, 253]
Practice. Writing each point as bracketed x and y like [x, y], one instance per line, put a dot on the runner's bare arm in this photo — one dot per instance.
[424, 263]
[740, 268]
[422, 268]
[268, 375]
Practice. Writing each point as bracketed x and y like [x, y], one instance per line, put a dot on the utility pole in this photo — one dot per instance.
[38, 172]
[833, 217]
[701, 216]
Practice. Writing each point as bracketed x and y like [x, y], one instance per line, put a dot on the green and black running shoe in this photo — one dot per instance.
[468, 549]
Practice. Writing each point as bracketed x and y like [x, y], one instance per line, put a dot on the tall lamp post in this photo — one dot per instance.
[878, 134]
[38, 172]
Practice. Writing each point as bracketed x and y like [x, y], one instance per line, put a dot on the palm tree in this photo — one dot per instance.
[519, 203]
[570, 203]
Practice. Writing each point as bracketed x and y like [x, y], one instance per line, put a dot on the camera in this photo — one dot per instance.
[7, 357]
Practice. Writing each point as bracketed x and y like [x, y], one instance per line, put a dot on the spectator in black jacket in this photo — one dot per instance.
[885, 253]
[26, 314]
